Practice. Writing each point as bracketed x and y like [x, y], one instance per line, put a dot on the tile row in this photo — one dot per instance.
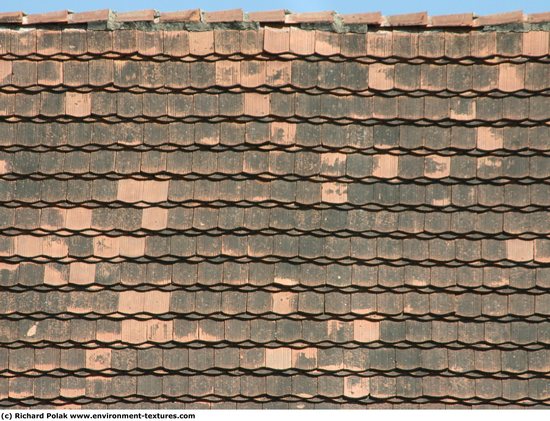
[273, 192]
[227, 106]
[352, 138]
[253, 247]
[283, 309]
[273, 165]
[278, 225]
[284, 41]
[280, 276]
[275, 388]
[285, 76]
[209, 333]
[314, 362]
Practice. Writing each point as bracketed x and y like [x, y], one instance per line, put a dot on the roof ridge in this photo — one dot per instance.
[275, 17]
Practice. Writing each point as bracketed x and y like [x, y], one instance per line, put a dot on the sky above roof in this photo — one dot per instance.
[433, 7]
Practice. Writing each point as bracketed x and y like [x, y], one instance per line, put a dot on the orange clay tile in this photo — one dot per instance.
[55, 275]
[464, 113]
[366, 331]
[535, 43]
[511, 77]
[193, 15]
[356, 387]
[98, 359]
[278, 73]
[302, 42]
[488, 162]
[374, 18]
[61, 16]
[154, 218]
[7, 104]
[489, 138]
[407, 43]
[519, 250]
[201, 43]
[54, 246]
[74, 390]
[437, 166]
[228, 73]
[456, 20]
[332, 163]
[233, 15]
[160, 331]
[206, 334]
[256, 104]
[483, 44]
[252, 358]
[150, 43]
[252, 41]
[283, 133]
[176, 43]
[253, 73]
[327, 43]
[77, 104]
[16, 390]
[136, 16]
[78, 219]
[334, 327]
[134, 331]
[28, 245]
[499, 18]
[5, 71]
[156, 302]
[431, 44]
[130, 191]
[304, 358]
[409, 19]
[334, 192]
[381, 76]
[267, 16]
[278, 358]
[11, 17]
[284, 302]
[385, 166]
[105, 246]
[131, 302]
[285, 280]
[48, 42]
[5, 167]
[92, 16]
[81, 273]
[276, 41]
[310, 17]
[23, 43]
[380, 44]
[132, 246]
[539, 17]
[155, 191]
[227, 42]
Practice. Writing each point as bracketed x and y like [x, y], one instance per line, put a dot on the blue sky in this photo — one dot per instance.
[388, 7]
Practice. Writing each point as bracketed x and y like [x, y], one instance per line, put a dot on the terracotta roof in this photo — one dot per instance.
[280, 17]
[286, 212]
